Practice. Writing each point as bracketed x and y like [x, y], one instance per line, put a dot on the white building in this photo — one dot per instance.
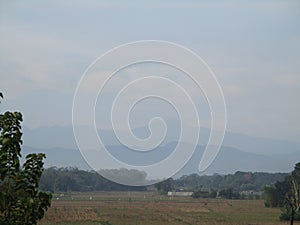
[180, 193]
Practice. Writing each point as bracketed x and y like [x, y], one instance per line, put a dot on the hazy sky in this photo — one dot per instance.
[252, 46]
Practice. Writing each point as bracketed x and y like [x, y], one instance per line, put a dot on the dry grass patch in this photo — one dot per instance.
[70, 214]
[135, 209]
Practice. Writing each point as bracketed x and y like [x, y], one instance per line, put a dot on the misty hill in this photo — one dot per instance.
[238, 153]
[62, 137]
[228, 161]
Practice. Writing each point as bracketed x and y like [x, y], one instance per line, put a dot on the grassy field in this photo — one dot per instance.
[111, 208]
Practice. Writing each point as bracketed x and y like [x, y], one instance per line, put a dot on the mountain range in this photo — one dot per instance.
[238, 153]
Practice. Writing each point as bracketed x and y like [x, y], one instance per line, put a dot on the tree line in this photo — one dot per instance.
[73, 179]
[240, 185]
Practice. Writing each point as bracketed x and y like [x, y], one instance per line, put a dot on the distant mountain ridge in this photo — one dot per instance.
[238, 153]
[63, 137]
[228, 161]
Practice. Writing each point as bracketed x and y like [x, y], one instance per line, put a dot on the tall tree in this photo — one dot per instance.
[271, 197]
[295, 183]
[21, 202]
[291, 210]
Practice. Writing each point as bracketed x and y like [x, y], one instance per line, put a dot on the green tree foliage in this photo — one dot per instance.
[205, 194]
[275, 196]
[271, 197]
[165, 186]
[21, 202]
[73, 179]
[126, 176]
[285, 194]
[229, 193]
[295, 186]
[240, 181]
[282, 191]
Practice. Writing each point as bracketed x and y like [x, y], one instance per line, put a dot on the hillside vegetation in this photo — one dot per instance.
[72, 179]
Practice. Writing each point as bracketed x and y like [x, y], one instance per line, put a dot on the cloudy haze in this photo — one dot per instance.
[253, 48]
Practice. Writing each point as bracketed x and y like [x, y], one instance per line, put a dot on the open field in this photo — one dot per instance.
[111, 208]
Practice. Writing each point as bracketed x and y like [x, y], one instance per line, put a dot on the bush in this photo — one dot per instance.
[200, 194]
[285, 215]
